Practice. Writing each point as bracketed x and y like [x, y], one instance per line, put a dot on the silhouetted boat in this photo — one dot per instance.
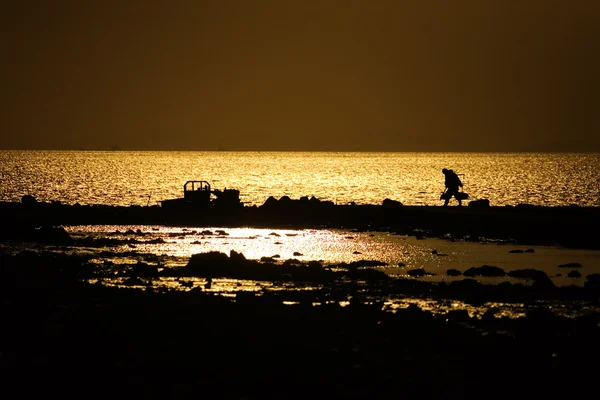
[197, 195]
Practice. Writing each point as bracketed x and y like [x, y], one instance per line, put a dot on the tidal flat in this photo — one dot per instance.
[254, 311]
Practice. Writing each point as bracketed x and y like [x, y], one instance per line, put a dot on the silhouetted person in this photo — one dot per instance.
[452, 183]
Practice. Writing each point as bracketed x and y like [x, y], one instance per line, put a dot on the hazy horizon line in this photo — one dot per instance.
[303, 151]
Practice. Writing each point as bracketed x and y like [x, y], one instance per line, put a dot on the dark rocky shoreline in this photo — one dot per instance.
[64, 336]
[566, 226]
[71, 337]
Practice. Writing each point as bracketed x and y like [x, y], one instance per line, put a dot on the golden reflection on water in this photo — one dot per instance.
[327, 245]
[230, 288]
[401, 253]
[141, 178]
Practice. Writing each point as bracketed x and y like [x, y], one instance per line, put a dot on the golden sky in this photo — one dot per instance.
[376, 75]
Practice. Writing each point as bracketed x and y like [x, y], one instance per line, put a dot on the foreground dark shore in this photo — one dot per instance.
[63, 336]
[566, 226]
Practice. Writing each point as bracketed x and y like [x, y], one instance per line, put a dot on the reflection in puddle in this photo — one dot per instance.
[116, 247]
[401, 253]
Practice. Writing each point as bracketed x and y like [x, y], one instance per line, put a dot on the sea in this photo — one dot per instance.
[147, 177]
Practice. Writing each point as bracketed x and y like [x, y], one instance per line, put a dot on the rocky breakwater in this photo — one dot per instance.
[567, 226]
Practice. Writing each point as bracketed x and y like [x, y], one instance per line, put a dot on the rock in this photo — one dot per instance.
[270, 202]
[134, 281]
[543, 283]
[516, 251]
[529, 251]
[458, 315]
[418, 272]
[297, 254]
[524, 205]
[236, 257]
[528, 273]
[574, 274]
[367, 274]
[453, 272]
[481, 203]
[292, 261]
[388, 203]
[187, 284]
[28, 200]
[401, 264]
[51, 235]
[592, 281]
[314, 200]
[485, 270]
[465, 286]
[206, 264]
[141, 269]
[593, 277]
[570, 265]
[366, 263]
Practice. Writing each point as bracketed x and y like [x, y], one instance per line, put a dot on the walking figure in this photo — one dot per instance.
[452, 183]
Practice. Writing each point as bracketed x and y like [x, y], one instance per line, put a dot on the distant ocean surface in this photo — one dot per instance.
[144, 177]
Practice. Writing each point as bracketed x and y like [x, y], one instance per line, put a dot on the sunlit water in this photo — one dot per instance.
[402, 253]
[125, 178]
[173, 246]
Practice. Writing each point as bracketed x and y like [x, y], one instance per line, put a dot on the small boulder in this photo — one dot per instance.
[485, 270]
[528, 273]
[592, 281]
[285, 200]
[481, 203]
[570, 265]
[388, 203]
[237, 258]
[28, 200]
[270, 202]
[418, 272]
[574, 274]
[593, 277]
